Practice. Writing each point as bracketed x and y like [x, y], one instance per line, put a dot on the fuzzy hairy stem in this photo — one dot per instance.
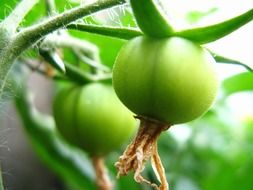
[140, 150]
[17, 15]
[103, 181]
[7, 58]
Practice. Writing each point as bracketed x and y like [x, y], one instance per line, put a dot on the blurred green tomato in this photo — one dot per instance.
[92, 118]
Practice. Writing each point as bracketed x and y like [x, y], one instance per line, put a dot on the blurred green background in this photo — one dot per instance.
[212, 152]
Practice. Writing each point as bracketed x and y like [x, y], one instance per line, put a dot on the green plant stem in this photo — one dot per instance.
[1, 180]
[95, 64]
[150, 19]
[115, 32]
[80, 77]
[76, 74]
[214, 32]
[27, 37]
[17, 15]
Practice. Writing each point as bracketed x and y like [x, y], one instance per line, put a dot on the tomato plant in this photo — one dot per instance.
[164, 75]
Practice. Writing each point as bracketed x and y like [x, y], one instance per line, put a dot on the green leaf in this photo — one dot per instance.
[69, 163]
[214, 32]
[151, 19]
[195, 16]
[37, 13]
[222, 59]
[115, 32]
[238, 83]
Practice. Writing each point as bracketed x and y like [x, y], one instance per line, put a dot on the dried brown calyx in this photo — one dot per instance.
[141, 149]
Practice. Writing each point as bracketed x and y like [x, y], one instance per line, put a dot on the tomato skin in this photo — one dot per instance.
[171, 79]
[92, 117]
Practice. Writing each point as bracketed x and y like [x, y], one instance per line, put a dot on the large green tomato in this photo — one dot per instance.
[93, 118]
[171, 80]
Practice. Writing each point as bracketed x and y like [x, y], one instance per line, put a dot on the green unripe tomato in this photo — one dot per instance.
[172, 80]
[92, 117]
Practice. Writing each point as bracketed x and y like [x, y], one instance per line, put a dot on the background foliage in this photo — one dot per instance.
[213, 152]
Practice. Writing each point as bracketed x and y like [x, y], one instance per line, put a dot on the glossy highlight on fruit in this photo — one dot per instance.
[92, 117]
[171, 80]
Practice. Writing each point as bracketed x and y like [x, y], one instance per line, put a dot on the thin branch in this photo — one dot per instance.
[77, 75]
[66, 41]
[17, 15]
[115, 32]
[86, 51]
[88, 61]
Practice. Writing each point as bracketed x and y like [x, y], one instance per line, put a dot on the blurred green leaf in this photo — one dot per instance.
[69, 163]
[36, 14]
[6, 6]
[248, 123]
[238, 83]
[195, 15]
[63, 5]
[109, 47]
[126, 18]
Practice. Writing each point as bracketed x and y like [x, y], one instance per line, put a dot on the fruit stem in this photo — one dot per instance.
[141, 149]
[102, 178]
